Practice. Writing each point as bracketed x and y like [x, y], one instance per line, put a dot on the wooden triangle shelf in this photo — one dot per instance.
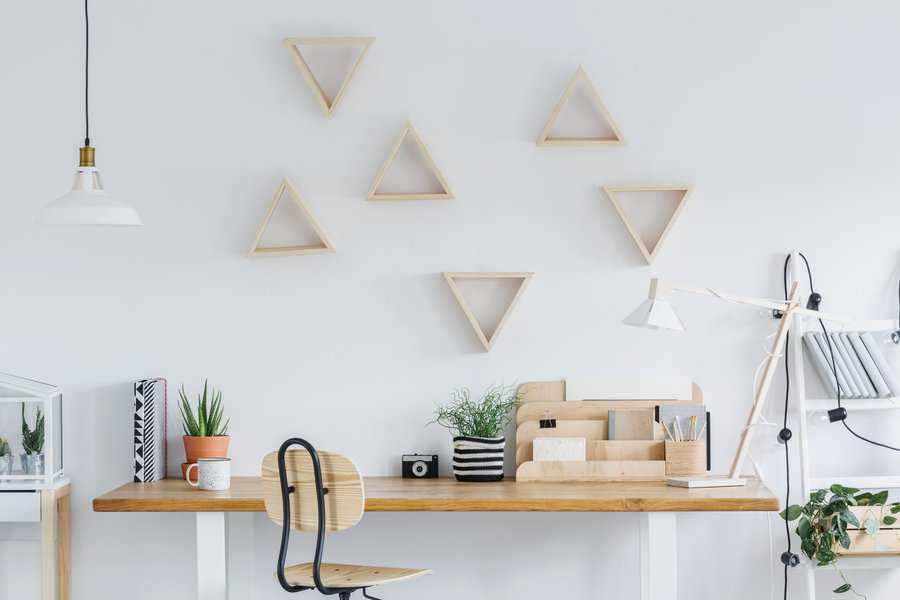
[648, 253]
[445, 194]
[547, 139]
[487, 342]
[324, 244]
[293, 45]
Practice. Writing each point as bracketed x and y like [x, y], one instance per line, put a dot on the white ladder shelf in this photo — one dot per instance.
[810, 408]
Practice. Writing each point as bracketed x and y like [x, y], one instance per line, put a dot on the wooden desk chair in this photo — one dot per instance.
[315, 491]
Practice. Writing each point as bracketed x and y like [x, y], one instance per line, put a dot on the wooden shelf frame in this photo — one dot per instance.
[581, 77]
[648, 253]
[487, 342]
[409, 130]
[328, 105]
[325, 244]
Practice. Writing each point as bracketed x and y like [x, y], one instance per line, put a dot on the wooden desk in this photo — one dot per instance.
[657, 503]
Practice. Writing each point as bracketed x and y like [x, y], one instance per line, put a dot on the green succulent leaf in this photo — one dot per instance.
[207, 421]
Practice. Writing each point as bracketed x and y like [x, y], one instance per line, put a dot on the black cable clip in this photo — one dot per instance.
[784, 435]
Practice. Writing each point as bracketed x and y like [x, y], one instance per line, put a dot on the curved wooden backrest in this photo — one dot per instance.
[344, 502]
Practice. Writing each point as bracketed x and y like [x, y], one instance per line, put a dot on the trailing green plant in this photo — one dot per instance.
[208, 420]
[486, 418]
[824, 519]
[4, 447]
[33, 439]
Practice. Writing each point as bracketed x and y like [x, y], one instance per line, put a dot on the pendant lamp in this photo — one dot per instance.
[87, 203]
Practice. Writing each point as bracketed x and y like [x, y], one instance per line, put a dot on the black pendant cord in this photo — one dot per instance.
[87, 50]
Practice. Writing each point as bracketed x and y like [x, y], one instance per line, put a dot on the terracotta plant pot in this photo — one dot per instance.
[204, 447]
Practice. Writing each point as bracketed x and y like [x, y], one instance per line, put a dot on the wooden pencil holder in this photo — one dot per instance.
[685, 458]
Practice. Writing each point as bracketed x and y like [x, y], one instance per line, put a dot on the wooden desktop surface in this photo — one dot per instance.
[394, 494]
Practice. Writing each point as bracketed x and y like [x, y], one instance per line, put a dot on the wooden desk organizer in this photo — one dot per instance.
[587, 416]
[685, 458]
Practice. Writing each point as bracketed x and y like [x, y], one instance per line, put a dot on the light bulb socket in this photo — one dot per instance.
[789, 559]
[86, 156]
[837, 414]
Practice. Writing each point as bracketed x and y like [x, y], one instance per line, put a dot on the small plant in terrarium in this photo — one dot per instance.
[6, 458]
[33, 444]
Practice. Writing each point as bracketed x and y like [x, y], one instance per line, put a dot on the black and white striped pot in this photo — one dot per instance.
[477, 458]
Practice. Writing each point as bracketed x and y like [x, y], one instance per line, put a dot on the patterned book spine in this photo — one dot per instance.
[149, 430]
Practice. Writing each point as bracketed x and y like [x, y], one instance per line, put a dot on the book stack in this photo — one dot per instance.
[860, 365]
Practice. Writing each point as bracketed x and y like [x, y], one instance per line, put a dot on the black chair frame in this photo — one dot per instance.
[321, 491]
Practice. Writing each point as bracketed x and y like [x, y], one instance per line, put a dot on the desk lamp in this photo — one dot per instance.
[656, 312]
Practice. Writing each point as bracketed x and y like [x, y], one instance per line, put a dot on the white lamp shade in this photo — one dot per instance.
[88, 204]
[655, 313]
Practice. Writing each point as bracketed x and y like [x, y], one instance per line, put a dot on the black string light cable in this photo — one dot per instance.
[87, 49]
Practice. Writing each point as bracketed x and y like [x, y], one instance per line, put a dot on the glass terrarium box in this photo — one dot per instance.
[31, 452]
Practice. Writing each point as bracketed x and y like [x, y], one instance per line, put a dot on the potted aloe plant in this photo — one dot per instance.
[33, 444]
[205, 432]
[477, 427]
[6, 457]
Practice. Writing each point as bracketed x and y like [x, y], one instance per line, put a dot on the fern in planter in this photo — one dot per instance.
[824, 519]
[485, 418]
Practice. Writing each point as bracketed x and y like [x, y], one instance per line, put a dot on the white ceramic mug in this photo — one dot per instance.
[212, 474]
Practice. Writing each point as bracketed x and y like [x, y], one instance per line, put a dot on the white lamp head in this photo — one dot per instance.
[656, 312]
[88, 204]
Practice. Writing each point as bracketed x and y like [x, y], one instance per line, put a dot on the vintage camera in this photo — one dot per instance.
[420, 466]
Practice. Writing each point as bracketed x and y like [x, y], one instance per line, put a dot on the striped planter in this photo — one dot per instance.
[478, 459]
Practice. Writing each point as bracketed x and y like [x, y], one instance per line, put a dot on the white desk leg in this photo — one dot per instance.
[241, 556]
[212, 570]
[659, 556]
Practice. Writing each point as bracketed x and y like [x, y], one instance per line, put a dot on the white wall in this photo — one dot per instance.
[784, 116]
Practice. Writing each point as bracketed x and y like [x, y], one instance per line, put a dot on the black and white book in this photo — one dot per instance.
[149, 430]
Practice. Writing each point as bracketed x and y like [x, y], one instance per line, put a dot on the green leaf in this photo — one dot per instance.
[864, 499]
[842, 588]
[844, 540]
[804, 528]
[791, 513]
[895, 509]
[880, 498]
[889, 520]
[848, 517]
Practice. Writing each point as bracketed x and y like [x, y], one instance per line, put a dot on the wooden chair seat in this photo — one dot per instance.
[349, 576]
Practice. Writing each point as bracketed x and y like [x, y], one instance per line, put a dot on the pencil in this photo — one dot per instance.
[666, 429]
[678, 431]
[702, 429]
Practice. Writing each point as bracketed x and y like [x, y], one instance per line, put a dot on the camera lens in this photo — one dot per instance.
[419, 468]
